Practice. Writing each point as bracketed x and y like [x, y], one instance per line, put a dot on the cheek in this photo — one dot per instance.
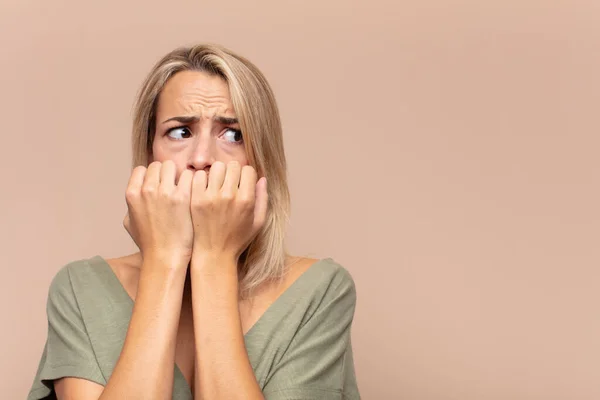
[242, 159]
[232, 153]
[161, 154]
[156, 151]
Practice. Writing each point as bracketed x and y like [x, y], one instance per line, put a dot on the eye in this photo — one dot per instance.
[233, 135]
[179, 133]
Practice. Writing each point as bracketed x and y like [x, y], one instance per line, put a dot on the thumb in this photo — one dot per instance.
[126, 221]
[129, 229]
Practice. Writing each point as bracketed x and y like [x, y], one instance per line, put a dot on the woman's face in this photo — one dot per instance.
[196, 124]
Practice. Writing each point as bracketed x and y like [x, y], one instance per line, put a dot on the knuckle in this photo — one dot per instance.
[164, 197]
[163, 191]
[227, 197]
[131, 195]
[210, 199]
[198, 201]
[148, 190]
[179, 198]
[245, 200]
[207, 201]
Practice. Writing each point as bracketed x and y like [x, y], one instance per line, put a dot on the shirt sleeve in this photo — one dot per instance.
[319, 362]
[68, 351]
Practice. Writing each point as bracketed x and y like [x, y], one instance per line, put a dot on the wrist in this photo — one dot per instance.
[214, 263]
[166, 260]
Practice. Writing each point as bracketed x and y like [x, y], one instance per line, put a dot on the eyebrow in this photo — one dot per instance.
[193, 119]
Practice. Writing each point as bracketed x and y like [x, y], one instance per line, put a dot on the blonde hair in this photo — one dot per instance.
[258, 115]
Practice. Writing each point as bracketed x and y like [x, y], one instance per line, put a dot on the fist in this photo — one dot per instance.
[228, 207]
[158, 218]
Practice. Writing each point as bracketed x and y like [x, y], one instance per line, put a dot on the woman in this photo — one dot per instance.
[212, 307]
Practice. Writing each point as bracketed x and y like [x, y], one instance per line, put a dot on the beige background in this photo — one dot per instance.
[445, 152]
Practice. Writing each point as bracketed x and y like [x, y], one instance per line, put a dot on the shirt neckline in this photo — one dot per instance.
[295, 287]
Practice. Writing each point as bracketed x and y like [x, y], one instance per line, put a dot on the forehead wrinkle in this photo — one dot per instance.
[184, 95]
[204, 106]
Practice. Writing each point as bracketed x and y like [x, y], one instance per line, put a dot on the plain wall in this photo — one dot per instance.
[445, 152]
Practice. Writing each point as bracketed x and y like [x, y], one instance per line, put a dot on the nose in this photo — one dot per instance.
[202, 155]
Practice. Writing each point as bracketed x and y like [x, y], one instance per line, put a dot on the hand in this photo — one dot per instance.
[229, 206]
[158, 218]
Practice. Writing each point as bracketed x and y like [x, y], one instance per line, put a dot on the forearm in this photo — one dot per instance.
[223, 370]
[146, 365]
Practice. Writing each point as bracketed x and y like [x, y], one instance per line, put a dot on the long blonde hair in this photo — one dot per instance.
[258, 115]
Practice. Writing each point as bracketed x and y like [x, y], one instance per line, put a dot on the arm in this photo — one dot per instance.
[227, 212]
[160, 224]
[223, 370]
[146, 364]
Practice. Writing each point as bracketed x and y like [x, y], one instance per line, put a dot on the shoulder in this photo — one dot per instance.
[78, 276]
[62, 282]
[322, 302]
[326, 287]
[62, 298]
[331, 277]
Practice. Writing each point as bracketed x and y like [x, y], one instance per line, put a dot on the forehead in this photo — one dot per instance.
[191, 92]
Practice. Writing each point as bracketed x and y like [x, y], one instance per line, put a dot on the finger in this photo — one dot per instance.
[232, 177]
[135, 182]
[134, 185]
[247, 188]
[152, 177]
[199, 183]
[168, 171]
[184, 185]
[261, 204]
[126, 222]
[216, 176]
